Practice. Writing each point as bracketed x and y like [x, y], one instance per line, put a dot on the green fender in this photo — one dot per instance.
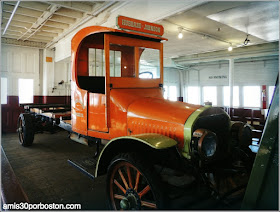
[155, 141]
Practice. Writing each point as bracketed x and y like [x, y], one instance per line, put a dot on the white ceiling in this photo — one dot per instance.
[207, 26]
[260, 19]
[215, 25]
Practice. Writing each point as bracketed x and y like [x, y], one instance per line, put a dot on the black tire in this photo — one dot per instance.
[25, 129]
[142, 190]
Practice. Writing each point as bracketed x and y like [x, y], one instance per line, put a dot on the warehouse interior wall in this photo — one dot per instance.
[25, 63]
[262, 71]
[30, 75]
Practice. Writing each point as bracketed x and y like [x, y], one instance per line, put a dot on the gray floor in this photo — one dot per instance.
[45, 174]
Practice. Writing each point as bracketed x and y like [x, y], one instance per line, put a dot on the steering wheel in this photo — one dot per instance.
[147, 72]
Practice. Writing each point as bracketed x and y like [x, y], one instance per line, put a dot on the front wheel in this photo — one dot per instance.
[132, 184]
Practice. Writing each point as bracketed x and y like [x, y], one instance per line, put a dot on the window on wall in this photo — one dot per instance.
[172, 93]
[270, 93]
[210, 94]
[226, 94]
[252, 96]
[4, 90]
[193, 94]
[25, 90]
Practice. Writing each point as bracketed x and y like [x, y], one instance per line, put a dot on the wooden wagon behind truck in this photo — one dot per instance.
[153, 144]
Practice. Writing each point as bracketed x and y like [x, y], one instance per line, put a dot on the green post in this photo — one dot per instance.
[262, 189]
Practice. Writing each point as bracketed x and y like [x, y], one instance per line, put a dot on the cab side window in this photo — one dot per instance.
[91, 64]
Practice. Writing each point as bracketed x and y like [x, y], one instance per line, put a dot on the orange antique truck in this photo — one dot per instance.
[151, 146]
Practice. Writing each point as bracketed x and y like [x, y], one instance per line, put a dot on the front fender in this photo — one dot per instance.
[131, 143]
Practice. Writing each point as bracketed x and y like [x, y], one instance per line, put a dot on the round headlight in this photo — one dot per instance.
[206, 144]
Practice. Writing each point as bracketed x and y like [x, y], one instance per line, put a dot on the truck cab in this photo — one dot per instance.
[109, 71]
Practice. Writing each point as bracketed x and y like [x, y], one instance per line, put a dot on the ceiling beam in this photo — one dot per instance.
[69, 13]
[33, 5]
[16, 42]
[47, 34]
[41, 21]
[56, 24]
[51, 29]
[6, 15]
[63, 19]
[73, 5]
[10, 36]
[22, 11]
[43, 36]
[18, 23]
[104, 6]
[39, 37]
[12, 33]
[15, 29]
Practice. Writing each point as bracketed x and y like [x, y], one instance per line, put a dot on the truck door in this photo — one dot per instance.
[97, 110]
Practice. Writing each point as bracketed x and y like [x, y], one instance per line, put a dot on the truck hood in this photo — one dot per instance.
[158, 115]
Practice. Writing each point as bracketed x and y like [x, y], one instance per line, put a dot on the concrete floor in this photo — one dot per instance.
[46, 176]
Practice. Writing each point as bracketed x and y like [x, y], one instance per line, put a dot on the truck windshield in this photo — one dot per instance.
[149, 64]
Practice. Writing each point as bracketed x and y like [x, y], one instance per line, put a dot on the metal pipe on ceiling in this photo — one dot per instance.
[11, 17]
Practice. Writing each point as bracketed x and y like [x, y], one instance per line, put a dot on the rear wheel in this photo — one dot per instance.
[25, 129]
[133, 185]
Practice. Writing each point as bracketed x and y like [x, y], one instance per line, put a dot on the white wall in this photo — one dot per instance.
[62, 73]
[19, 62]
[23, 62]
[48, 72]
[258, 73]
[245, 73]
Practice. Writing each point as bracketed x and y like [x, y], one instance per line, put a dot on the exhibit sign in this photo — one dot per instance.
[139, 26]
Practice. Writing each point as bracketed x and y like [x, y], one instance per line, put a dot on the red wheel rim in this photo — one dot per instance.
[126, 180]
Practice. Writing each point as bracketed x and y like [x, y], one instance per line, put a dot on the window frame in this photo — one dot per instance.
[199, 94]
[203, 96]
[224, 93]
[246, 106]
[6, 102]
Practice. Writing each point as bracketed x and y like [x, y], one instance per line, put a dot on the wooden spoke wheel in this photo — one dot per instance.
[129, 187]
[25, 129]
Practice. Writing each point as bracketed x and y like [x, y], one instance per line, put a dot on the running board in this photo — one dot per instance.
[86, 166]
